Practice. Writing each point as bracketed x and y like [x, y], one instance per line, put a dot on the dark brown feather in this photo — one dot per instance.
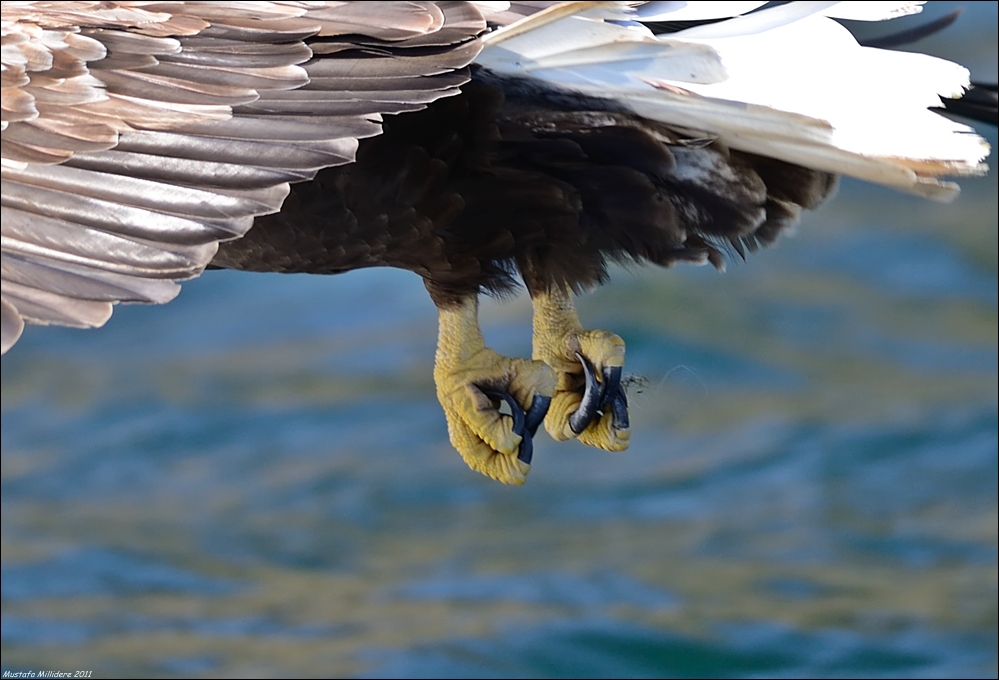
[475, 188]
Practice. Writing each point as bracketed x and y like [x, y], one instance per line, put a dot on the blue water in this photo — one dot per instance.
[256, 478]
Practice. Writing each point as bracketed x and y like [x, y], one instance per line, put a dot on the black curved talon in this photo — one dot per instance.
[525, 451]
[516, 412]
[619, 410]
[536, 414]
[598, 396]
[611, 385]
[613, 395]
[588, 407]
[524, 424]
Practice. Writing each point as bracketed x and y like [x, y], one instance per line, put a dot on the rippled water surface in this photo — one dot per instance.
[256, 478]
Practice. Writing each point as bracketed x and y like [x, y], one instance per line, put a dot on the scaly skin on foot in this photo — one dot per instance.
[472, 380]
[562, 343]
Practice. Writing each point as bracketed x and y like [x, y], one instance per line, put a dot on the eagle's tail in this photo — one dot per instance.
[786, 82]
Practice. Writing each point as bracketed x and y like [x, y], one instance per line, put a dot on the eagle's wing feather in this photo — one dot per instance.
[137, 136]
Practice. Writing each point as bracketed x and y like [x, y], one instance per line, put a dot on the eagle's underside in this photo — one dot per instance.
[489, 184]
[140, 141]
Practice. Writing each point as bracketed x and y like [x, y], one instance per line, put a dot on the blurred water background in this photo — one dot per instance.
[256, 479]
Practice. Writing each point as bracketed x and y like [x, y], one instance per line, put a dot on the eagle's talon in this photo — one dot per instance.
[619, 410]
[611, 386]
[592, 396]
[536, 414]
[516, 412]
[599, 398]
[525, 423]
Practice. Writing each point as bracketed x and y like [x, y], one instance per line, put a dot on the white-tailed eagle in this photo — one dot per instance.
[473, 143]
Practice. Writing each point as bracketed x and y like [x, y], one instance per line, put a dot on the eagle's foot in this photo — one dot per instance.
[474, 383]
[589, 402]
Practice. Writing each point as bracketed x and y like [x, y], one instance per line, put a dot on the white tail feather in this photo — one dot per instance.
[786, 82]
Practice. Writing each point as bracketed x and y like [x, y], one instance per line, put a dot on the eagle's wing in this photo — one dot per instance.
[137, 136]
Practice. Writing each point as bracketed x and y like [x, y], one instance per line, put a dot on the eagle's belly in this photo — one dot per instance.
[487, 184]
[404, 203]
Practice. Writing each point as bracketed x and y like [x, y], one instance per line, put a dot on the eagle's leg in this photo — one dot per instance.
[472, 383]
[589, 401]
